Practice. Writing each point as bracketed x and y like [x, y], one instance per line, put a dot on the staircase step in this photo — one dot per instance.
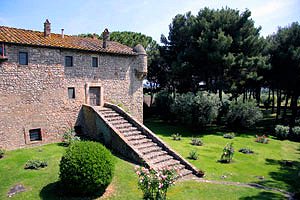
[126, 130]
[145, 145]
[108, 111]
[116, 118]
[108, 115]
[119, 121]
[132, 133]
[155, 154]
[185, 172]
[150, 150]
[169, 163]
[104, 109]
[159, 159]
[141, 141]
[123, 125]
[136, 137]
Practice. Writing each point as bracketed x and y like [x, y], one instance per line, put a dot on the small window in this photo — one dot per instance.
[69, 61]
[71, 92]
[94, 61]
[23, 58]
[2, 50]
[35, 134]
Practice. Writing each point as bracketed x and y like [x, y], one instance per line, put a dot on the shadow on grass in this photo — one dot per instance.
[54, 191]
[288, 173]
[264, 196]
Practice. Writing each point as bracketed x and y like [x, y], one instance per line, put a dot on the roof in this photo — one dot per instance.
[36, 38]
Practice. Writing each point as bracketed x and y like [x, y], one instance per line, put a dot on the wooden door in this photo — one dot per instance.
[94, 94]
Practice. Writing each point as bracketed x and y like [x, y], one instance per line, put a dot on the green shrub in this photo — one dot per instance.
[176, 136]
[227, 154]
[196, 141]
[243, 115]
[296, 130]
[35, 164]
[69, 137]
[282, 131]
[2, 152]
[246, 151]
[86, 168]
[163, 102]
[155, 183]
[229, 135]
[197, 110]
[193, 155]
[262, 139]
[296, 133]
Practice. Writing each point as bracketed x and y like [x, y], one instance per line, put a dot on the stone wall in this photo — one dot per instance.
[36, 95]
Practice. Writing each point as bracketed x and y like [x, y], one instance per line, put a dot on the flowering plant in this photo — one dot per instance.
[262, 139]
[228, 152]
[155, 183]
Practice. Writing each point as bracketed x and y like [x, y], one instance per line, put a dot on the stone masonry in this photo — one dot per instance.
[35, 96]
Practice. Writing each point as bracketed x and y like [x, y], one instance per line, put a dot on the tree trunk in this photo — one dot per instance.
[258, 95]
[294, 108]
[286, 104]
[273, 101]
[269, 98]
[278, 104]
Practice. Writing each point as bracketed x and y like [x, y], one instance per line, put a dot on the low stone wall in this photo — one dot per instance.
[94, 126]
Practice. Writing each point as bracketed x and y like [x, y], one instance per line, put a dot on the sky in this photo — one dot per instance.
[150, 17]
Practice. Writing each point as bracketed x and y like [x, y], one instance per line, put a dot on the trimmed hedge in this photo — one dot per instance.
[86, 168]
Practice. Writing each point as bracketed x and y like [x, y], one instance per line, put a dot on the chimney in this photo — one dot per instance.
[62, 33]
[105, 36]
[47, 28]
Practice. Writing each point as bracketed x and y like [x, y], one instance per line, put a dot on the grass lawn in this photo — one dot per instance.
[40, 184]
[264, 166]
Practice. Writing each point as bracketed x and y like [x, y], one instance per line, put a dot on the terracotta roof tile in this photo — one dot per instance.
[36, 38]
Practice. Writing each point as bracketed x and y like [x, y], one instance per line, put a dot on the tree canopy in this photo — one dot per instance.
[221, 48]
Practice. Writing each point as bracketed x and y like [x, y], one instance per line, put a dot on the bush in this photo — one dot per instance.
[155, 184]
[227, 154]
[196, 142]
[296, 133]
[246, 151]
[296, 130]
[86, 168]
[163, 102]
[193, 155]
[262, 139]
[176, 136]
[2, 152]
[229, 135]
[69, 137]
[35, 164]
[197, 110]
[243, 115]
[282, 131]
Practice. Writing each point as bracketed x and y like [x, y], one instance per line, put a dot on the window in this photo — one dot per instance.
[69, 61]
[94, 61]
[2, 50]
[35, 134]
[71, 92]
[23, 58]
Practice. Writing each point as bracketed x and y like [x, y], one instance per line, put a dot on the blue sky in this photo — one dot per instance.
[150, 17]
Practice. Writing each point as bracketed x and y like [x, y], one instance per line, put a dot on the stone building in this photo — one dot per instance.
[45, 78]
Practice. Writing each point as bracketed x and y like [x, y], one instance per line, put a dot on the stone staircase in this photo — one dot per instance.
[152, 150]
